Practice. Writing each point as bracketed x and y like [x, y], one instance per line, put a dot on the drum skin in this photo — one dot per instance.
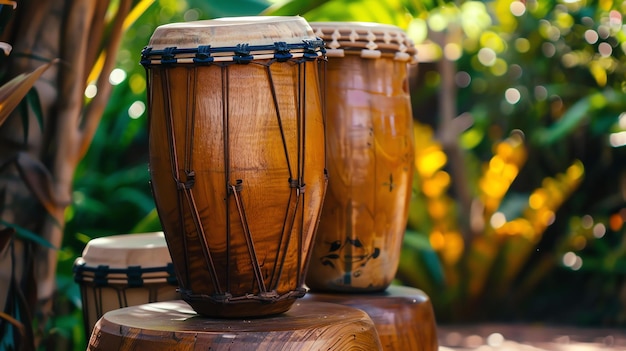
[370, 160]
[237, 166]
[123, 270]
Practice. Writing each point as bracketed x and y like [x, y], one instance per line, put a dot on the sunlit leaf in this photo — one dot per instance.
[575, 115]
[513, 205]
[293, 7]
[138, 198]
[136, 12]
[474, 18]
[150, 223]
[12, 92]
[236, 7]
[12, 4]
[9, 343]
[420, 246]
[132, 16]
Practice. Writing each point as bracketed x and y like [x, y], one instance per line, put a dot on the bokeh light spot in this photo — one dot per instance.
[487, 57]
[522, 45]
[91, 91]
[495, 340]
[136, 109]
[541, 93]
[512, 96]
[605, 49]
[462, 79]
[599, 230]
[591, 36]
[117, 76]
[517, 8]
[497, 220]
[452, 51]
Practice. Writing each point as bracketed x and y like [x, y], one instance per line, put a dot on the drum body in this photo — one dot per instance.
[370, 155]
[123, 270]
[237, 158]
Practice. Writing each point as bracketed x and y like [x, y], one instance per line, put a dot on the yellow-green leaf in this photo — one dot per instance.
[12, 92]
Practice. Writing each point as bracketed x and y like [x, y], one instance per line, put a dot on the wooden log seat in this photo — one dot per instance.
[403, 316]
[174, 325]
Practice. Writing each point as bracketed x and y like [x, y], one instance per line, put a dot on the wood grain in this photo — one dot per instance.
[370, 153]
[403, 316]
[237, 167]
[307, 326]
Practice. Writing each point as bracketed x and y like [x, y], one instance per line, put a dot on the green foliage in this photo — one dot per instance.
[555, 71]
[539, 72]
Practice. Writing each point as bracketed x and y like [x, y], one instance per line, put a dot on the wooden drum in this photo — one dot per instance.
[237, 158]
[370, 155]
[308, 326]
[123, 270]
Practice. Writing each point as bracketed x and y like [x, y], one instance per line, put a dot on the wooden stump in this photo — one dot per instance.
[403, 316]
[174, 325]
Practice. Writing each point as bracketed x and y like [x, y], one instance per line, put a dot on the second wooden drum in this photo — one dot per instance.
[370, 155]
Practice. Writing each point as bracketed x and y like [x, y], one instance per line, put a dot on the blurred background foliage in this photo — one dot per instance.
[520, 123]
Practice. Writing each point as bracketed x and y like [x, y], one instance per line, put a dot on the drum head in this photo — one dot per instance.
[230, 31]
[122, 251]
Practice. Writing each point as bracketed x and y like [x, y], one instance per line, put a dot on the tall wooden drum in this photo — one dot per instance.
[237, 158]
[123, 270]
[370, 155]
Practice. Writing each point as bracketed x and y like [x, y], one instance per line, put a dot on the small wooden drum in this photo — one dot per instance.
[123, 270]
[237, 158]
[308, 326]
[370, 156]
[403, 316]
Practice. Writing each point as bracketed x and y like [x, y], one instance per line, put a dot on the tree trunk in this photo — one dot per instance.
[37, 163]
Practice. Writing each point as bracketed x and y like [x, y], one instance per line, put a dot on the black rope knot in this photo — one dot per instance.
[310, 48]
[133, 275]
[145, 61]
[169, 55]
[295, 183]
[282, 53]
[189, 183]
[100, 275]
[203, 56]
[238, 187]
[171, 275]
[242, 54]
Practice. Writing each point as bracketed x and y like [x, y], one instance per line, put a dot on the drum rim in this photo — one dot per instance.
[213, 40]
[243, 53]
[370, 35]
[133, 276]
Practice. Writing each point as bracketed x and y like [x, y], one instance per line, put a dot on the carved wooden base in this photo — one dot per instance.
[403, 316]
[173, 325]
